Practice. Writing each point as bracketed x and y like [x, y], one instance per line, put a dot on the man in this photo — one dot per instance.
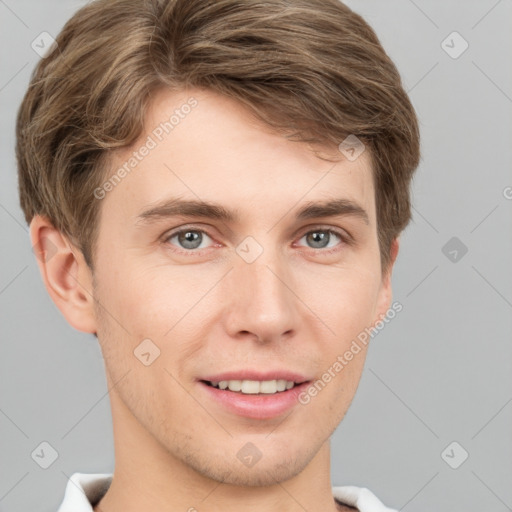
[216, 190]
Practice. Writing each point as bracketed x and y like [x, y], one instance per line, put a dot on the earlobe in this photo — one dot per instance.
[65, 274]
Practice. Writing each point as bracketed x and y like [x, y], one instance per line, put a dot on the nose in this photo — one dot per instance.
[261, 303]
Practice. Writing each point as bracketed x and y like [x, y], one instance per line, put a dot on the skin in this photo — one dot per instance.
[297, 306]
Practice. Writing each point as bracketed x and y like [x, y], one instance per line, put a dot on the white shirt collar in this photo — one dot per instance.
[84, 490]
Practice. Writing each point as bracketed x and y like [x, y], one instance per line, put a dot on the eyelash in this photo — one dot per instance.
[344, 237]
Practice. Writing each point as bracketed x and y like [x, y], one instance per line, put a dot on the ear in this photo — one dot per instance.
[66, 275]
[386, 292]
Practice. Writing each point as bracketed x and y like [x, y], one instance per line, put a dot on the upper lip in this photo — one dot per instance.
[257, 375]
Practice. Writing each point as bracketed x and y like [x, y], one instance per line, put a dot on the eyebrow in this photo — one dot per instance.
[191, 208]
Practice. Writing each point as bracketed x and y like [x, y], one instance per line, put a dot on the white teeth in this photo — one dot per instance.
[253, 387]
[250, 387]
[281, 385]
[234, 385]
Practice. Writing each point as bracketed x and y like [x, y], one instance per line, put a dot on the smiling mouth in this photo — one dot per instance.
[253, 387]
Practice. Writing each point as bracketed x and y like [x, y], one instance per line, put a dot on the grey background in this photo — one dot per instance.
[439, 372]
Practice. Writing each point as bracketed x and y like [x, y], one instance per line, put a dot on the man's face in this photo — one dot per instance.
[264, 291]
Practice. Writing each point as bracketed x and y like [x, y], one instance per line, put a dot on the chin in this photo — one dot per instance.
[270, 469]
[255, 477]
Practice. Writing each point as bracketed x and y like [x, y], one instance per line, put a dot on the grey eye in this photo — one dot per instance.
[189, 239]
[321, 238]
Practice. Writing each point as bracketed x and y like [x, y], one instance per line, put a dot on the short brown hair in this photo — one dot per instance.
[311, 69]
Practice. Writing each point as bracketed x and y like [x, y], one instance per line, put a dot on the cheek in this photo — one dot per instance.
[163, 304]
[343, 300]
[144, 300]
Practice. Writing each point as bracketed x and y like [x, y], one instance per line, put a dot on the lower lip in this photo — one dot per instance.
[257, 406]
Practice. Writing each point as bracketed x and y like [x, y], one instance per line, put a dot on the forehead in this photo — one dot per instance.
[200, 145]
